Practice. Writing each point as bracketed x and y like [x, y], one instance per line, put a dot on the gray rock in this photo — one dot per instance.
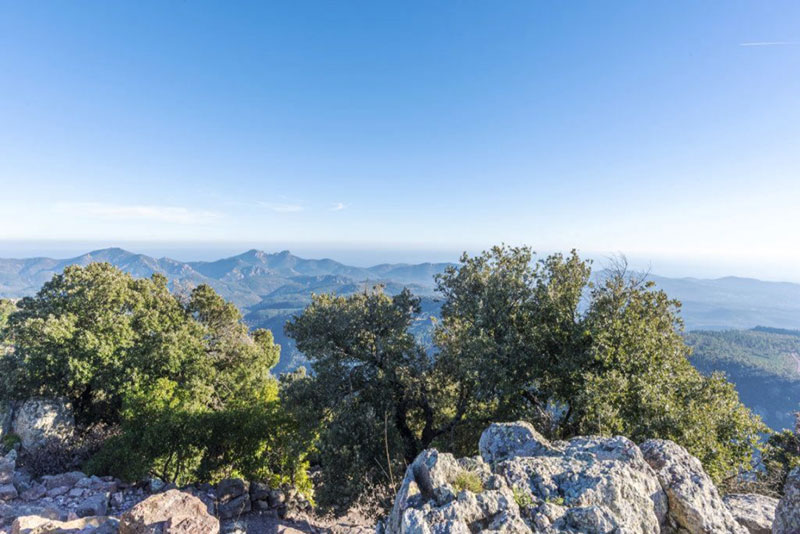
[787, 513]
[754, 512]
[22, 481]
[606, 477]
[259, 491]
[694, 502]
[8, 492]
[502, 441]
[230, 488]
[7, 465]
[235, 507]
[587, 485]
[67, 480]
[35, 492]
[94, 505]
[36, 420]
[276, 498]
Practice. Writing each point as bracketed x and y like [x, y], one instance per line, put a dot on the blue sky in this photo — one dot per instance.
[669, 131]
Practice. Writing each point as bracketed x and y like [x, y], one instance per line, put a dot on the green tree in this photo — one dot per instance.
[376, 399]
[519, 338]
[186, 382]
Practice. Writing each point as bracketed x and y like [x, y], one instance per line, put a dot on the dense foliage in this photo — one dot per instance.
[518, 339]
[188, 385]
[772, 352]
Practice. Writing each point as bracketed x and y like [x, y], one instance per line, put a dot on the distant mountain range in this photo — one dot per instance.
[270, 288]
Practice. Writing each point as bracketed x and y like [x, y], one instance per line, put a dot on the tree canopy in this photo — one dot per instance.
[519, 338]
[183, 378]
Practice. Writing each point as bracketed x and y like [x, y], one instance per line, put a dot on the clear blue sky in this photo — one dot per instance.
[664, 130]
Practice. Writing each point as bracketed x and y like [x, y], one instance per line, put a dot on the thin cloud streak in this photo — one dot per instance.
[168, 214]
[770, 43]
[339, 206]
[282, 208]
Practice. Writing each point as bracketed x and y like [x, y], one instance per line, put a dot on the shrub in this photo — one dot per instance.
[522, 497]
[468, 481]
[183, 381]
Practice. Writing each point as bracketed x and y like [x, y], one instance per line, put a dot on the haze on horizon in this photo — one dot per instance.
[667, 132]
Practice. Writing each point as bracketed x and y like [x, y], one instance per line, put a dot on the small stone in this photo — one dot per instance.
[57, 491]
[94, 505]
[8, 492]
[67, 480]
[259, 491]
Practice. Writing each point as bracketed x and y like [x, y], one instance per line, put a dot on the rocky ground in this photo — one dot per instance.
[520, 483]
[73, 502]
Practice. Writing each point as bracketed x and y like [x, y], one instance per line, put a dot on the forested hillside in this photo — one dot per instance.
[764, 363]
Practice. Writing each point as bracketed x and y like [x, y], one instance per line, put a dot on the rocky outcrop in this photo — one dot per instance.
[37, 420]
[754, 512]
[787, 513]
[524, 484]
[694, 502]
[171, 512]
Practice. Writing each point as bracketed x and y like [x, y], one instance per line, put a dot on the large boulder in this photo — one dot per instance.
[754, 512]
[37, 420]
[787, 514]
[526, 484]
[695, 504]
[171, 512]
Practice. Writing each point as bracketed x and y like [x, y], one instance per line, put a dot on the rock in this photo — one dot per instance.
[94, 505]
[154, 485]
[234, 507]
[502, 441]
[787, 513]
[276, 498]
[21, 481]
[43, 525]
[233, 498]
[259, 491]
[587, 485]
[754, 512]
[171, 512]
[63, 480]
[8, 492]
[601, 482]
[7, 465]
[58, 491]
[427, 501]
[36, 420]
[36, 491]
[230, 488]
[694, 502]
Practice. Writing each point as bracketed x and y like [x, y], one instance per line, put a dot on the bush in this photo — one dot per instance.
[167, 434]
[185, 384]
